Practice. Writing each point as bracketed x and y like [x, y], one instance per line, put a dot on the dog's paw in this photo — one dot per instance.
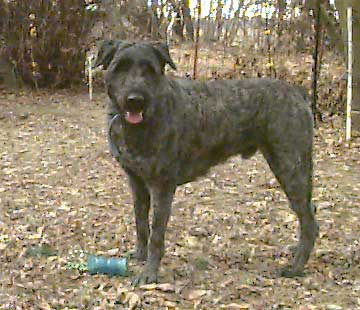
[138, 254]
[289, 272]
[291, 249]
[146, 277]
[141, 254]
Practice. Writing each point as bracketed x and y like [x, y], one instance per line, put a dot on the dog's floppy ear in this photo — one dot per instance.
[106, 52]
[162, 51]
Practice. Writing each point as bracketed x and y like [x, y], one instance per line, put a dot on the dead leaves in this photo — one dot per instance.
[163, 287]
[193, 294]
[234, 306]
[61, 197]
[130, 299]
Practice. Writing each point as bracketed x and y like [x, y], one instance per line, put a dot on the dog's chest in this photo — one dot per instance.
[127, 154]
[134, 152]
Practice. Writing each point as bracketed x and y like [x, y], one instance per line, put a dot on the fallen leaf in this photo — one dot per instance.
[166, 287]
[38, 234]
[151, 286]
[133, 300]
[170, 304]
[193, 294]
[113, 252]
[333, 307]
[234, 306]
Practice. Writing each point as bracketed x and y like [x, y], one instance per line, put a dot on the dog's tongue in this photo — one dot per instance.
[134, 117]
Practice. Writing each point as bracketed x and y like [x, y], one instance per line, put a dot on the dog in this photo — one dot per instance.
[165, 132]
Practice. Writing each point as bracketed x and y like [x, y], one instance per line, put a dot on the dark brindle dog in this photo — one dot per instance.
[166, 132]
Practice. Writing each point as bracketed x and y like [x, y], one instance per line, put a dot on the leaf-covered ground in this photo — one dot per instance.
[63, 197]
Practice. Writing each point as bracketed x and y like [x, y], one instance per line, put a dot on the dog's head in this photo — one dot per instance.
[135, 78]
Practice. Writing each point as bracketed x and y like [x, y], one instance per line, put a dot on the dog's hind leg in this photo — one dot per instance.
[288, 152]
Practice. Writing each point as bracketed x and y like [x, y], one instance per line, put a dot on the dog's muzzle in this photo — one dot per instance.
[134, 108]
[135, 98]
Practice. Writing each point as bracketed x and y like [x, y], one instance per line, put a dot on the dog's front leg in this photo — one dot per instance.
[141, 199]
[161, 200]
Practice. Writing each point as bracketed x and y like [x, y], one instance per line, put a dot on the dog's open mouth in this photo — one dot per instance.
[134, 117]
[134, 108]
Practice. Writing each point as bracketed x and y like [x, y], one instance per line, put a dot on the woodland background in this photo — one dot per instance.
[63, 197]
[44, 43]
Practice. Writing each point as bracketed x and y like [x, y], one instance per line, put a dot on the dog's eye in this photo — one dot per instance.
[148, 69]
[123, 66]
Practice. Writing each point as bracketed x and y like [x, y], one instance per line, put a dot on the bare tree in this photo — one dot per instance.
[281, 6]
[154, 21]
[342, 8]
[197, 39]
[236, 22]
[185, 5]
[209, 24]
[219, 19]
[228, 22]
[178, 26]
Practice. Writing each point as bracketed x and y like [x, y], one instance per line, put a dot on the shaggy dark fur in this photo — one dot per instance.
[166, 132]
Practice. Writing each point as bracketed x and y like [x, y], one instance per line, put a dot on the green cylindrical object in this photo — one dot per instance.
[104, 265]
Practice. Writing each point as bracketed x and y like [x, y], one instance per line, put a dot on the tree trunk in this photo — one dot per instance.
[229, 23]
[317, 62]
[342, 5]
[178, 26]
[187, 20]
[235, 24]
[219, 20]
[154, 20]
[281, 4]
[209, 32]
[197, 39]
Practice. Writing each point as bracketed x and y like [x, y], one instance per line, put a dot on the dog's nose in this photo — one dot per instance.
[135, 98]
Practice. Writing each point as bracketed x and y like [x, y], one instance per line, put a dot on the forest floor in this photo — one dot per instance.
[62, 197]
